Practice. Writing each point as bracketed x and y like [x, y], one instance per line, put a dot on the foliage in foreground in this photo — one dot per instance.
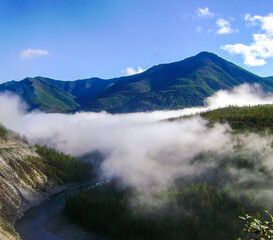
[257, 229]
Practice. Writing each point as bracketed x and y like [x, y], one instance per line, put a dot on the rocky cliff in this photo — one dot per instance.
[23, 182]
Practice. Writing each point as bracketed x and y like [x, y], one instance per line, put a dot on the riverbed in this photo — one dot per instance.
[38, 223]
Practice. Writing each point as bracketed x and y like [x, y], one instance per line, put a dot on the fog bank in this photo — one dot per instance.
[143, 152]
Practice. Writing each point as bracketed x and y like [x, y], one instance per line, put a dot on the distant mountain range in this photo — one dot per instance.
[166, 86]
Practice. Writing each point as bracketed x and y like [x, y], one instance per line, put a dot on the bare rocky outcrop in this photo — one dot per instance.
[23, 183]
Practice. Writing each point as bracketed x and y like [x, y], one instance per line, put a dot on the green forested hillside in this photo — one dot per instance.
[200, 207]
[64, 168]
[255, 118]
[189, 211]
[56, 96]
[166, 86]
[176, 85]
[247, 118]
[38, 93]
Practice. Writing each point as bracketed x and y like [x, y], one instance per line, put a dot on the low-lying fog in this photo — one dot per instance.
[140, 149]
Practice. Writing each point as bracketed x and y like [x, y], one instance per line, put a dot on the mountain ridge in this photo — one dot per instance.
[174, 85]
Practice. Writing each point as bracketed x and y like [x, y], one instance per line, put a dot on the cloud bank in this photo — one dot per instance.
[141, 150]
[262, 46]
[242, 95]
[82, 132]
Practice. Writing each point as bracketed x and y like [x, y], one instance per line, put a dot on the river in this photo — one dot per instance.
[32, 225]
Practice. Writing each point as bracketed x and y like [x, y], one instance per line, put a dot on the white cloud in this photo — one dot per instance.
[83, 132]
[29, 53]
[224, 27]
[242, 95]
[199, 29]
[262, 46]
[143, 151]
[131, 71]
[266, 22]
[204, 12]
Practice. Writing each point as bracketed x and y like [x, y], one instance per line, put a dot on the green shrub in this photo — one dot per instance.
[255, 228]
[3, 132]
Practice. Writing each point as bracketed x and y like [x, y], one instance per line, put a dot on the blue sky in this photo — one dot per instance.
[68, 39]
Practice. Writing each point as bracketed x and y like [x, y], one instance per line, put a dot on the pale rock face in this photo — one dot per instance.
[4, 235]
[22, 184]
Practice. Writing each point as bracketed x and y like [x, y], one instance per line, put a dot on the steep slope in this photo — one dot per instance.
[42, 94]
[167, 86]
[56, 96]
[176, 85]
[22, 184]
[84, 90]
[29, 175]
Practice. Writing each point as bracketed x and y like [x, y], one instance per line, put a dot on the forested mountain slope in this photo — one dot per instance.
[204, 204]
[248, 118]
[166, 86]
[176, 85]
[56, 96]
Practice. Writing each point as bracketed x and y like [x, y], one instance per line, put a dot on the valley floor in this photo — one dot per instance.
[48, 222]
[60, 226]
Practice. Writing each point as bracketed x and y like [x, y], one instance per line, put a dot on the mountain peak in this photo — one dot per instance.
[208, 55]
[166, 86]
